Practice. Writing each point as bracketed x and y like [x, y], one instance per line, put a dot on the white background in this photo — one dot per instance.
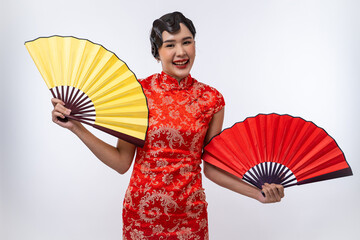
[295, 57]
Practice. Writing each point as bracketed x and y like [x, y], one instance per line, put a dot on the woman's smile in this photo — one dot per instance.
[181, 63]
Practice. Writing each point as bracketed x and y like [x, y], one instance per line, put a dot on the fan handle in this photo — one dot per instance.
[64, 120]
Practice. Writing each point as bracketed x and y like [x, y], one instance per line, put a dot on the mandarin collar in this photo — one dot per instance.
[167, 82]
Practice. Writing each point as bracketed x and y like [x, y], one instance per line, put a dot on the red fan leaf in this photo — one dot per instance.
[277, 149]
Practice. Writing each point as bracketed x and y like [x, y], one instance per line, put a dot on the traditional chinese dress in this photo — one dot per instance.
[165, 198]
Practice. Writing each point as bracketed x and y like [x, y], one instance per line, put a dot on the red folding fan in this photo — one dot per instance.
[281, 149]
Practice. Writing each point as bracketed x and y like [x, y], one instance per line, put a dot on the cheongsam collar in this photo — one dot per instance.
[167, 82]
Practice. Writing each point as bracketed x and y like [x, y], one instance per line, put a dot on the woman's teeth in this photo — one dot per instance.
[181, 63]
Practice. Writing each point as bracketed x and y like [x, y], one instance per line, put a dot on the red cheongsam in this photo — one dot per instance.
[165, 198]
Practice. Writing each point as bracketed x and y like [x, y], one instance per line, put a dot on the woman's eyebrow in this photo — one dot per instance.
[186, 38]
[169, 41]
[172, 40]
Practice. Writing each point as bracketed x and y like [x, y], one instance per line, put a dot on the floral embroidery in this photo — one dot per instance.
[167, 179]
[137, 235]
[158, 229]
[165, 198]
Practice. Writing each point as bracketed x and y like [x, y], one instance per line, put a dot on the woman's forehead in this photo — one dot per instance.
[183, 33]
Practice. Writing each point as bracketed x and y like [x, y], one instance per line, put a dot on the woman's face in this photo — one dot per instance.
[177, 53]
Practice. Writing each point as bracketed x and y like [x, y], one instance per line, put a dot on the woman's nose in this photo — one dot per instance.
[180, 51]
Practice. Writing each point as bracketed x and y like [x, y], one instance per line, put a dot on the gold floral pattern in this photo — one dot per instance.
[165, 198]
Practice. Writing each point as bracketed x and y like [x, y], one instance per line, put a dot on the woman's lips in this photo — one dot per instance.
[181, 64]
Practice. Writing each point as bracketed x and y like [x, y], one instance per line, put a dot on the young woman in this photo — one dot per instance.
[165, 198]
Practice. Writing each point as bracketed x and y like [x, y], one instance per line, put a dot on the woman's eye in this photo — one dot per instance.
[187, 42]
[169, 45]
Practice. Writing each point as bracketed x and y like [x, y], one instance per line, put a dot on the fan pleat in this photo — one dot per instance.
[124, 114]
[121, 85]
[127, 102]
[294, 143]
[253, 146]
[131, 94]
[271, 143]
[83, 59]
[127, 127]
[277, 149]
[107, 73]
[288, 139]
[50, 60]
[242, 149]
[327, 167]
[245, 147]
[76, 56]
[229, 154]
[311, 159]
[321, 162]
[306, 150]
[107, 66]
[40, 65]
[93, 63]
[94, 83]
[297, 146]
[222, 165]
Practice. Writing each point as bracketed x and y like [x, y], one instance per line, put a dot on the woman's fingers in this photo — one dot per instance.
[55, 101]
[273, 192]
[60, 112]
[56, 114]
[280, 189]
[59, 106]
[63, 110]
[270, 192]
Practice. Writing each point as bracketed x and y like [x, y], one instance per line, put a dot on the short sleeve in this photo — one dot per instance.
[219, 102]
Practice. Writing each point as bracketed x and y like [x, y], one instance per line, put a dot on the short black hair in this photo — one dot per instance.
[171, 23]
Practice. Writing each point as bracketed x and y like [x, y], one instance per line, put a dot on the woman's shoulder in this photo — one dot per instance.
[149, 82]
[149, 78]
[205, 87]
[211, 94]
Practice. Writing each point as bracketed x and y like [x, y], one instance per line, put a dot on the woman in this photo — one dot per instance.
[165, 198]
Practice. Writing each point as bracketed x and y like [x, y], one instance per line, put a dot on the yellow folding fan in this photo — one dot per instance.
[94, 83]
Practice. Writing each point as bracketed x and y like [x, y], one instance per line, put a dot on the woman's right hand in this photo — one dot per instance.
[60, 111]
[118, 158]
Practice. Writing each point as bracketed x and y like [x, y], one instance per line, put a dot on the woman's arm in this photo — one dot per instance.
[273, 192]
[118, 158]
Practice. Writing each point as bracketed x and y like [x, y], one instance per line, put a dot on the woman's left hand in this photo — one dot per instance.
[273, 193]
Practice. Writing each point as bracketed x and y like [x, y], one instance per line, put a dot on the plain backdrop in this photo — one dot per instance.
[295, 57]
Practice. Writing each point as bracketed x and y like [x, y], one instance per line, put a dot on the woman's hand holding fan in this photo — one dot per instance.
[271, 193]
[59, 114]
[275, 192]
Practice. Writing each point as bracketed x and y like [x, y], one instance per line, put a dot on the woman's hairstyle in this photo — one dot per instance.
[171, 23]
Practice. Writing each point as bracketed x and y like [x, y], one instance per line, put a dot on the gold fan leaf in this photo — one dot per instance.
[94, 83]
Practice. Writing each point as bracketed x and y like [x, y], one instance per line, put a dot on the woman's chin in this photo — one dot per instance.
[180, 73]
